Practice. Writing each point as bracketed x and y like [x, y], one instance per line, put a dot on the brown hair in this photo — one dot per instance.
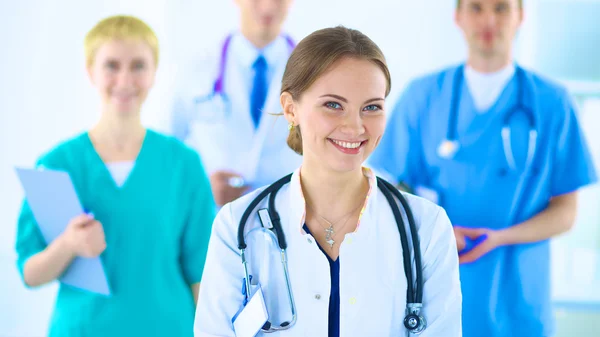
[315, 54]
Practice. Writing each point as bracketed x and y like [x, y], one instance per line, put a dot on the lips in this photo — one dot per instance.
[348, 147]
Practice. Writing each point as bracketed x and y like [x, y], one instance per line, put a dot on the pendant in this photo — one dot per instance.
[329, 236]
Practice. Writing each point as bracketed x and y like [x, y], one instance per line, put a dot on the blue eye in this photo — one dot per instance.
[372, 107]
[333, 105]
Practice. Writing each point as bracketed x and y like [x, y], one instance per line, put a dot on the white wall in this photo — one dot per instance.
[45, 95]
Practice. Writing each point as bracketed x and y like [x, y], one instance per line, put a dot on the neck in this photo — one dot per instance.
[331, 194]
[488, 63]
[119, 132]
[257, 38]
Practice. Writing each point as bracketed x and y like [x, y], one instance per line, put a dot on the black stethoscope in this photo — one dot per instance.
[450, 145]
[413, 321]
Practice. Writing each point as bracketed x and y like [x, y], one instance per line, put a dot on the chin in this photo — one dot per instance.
[345, 166]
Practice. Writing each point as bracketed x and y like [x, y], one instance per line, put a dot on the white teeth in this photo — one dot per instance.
[347, 145]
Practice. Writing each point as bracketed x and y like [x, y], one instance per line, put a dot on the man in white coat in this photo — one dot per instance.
[225, 106]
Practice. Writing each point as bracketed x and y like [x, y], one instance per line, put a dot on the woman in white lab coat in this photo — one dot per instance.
[344, 255]
[225, 104]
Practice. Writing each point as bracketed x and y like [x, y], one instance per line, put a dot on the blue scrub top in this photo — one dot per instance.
[334, 297]
[507, 291]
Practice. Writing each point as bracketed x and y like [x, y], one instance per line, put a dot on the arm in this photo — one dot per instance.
[83, 236]
[442, 297]
[47, 265]
[556, 219]
[572, 168]
[200, 213]
[220, 296]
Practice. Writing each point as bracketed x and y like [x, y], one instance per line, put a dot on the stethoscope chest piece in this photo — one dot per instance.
[415, 323]
[448, 148]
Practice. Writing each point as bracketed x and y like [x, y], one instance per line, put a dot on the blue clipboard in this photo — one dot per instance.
[54, 202]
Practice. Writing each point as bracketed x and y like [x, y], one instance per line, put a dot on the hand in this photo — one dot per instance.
[494, 239]
[84, 236]
[461, 242]
[222, 190]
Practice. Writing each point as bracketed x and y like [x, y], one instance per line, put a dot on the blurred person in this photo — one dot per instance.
[225, 103]
[500, 148]
[149, 201]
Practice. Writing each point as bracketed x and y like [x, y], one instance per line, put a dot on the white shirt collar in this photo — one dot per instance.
[485, 88]
[247, 53]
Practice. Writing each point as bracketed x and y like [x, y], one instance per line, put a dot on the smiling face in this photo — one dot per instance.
[341, 115]
[123, 72]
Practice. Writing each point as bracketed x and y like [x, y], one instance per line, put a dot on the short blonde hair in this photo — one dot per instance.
[119, 27]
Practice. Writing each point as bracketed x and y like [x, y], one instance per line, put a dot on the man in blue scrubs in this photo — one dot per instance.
[500, 148]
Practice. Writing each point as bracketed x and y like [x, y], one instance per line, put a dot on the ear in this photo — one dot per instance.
[289, 107]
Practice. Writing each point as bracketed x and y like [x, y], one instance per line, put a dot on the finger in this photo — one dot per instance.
[225, 174]
[460, 243]
[81, 220]
[473, 233]
[475, 253]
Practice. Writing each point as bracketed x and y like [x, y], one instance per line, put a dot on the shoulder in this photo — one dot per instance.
[545, 84]
[424, 89]
[430, 219]
[196, 73]
[234, 211]
[432, 82]
[64, 154]
[239, 206]
[546, 88]
[174, 151]
[169, 144]
[551, 101]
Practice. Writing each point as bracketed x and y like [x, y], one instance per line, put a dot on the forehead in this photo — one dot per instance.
[352, 78]
[124, 49]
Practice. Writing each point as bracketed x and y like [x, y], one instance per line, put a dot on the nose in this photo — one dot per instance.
[353, 126]
[489, 18]
[125, 78]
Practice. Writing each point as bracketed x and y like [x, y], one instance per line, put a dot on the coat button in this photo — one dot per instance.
[352, 300]
[317, 297]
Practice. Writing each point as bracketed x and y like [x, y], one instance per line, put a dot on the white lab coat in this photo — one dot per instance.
[372, 281]
[231, 142]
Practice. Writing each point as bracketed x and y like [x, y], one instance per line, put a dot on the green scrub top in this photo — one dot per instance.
[157, 226]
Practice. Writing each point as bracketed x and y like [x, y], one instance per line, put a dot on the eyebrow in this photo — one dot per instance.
[346, 101]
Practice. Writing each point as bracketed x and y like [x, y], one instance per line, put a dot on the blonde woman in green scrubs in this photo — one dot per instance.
[150, 198]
